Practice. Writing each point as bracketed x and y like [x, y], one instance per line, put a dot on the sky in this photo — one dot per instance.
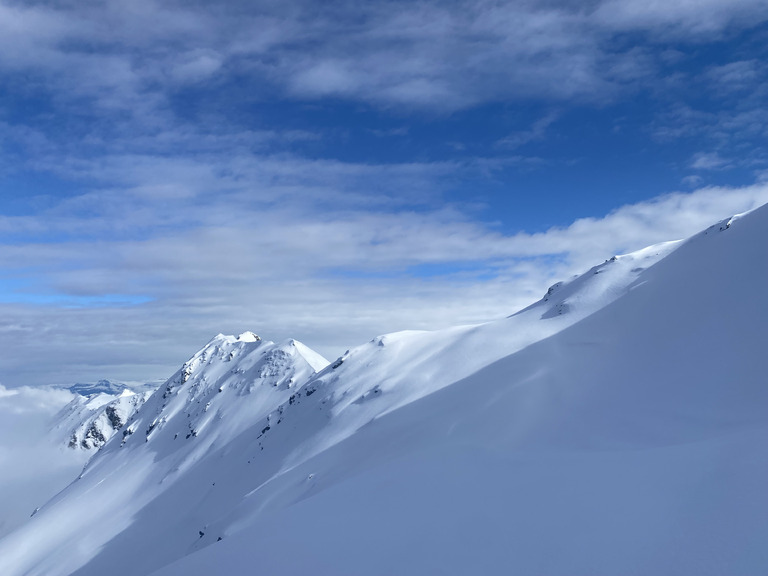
[331, 171]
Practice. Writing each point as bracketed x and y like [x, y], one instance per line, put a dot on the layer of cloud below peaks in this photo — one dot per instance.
[332, 281]
[34, 466]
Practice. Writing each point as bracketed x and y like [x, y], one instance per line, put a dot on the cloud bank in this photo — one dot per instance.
[172, 170]
[134, 306]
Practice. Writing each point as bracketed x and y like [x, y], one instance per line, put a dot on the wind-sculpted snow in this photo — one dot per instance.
[609, 428]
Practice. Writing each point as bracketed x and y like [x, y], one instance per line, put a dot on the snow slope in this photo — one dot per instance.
[88, 422]
[630, 443]
[614, 427]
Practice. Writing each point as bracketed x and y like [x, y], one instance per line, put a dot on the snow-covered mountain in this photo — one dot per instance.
[88, 422]
[216, 397]
[614, 427]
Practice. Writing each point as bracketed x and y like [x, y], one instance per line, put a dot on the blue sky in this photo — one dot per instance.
[331, 171]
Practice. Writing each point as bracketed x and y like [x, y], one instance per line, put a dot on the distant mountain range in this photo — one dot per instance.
[100, 387]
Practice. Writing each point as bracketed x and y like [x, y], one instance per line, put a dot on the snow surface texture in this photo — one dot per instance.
[617, 426]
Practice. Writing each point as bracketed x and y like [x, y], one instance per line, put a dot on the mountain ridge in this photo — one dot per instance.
[249, 431]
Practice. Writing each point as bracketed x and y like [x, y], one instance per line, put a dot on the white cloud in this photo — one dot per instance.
[199, 65]
[681, 18]
[536, 132]
[333, 277]
[225, 231]
[692, 180]
[130, 55]
[738, 75]
[709, 161]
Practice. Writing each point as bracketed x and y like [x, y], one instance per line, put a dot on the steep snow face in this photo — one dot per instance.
[90, 421]
[222, 389]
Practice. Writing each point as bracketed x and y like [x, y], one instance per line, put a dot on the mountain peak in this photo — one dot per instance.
[248, 336]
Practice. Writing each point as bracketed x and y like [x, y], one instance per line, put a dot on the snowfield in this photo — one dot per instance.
[617, 426]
